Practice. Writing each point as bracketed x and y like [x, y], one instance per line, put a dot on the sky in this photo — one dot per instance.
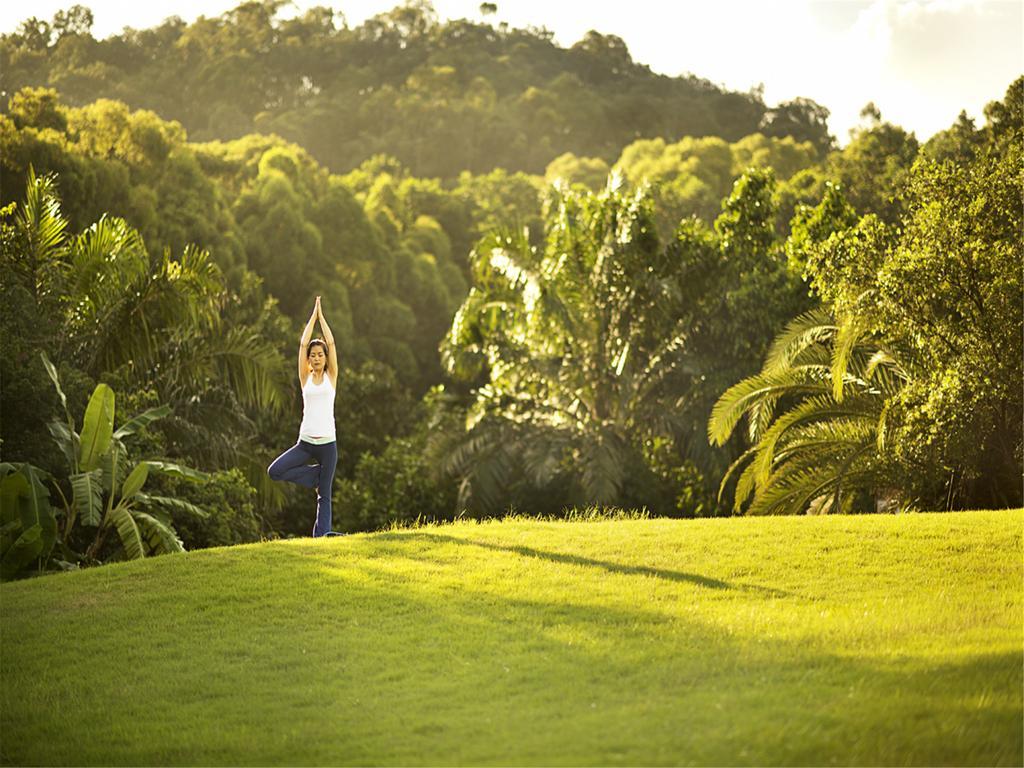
[919, 61]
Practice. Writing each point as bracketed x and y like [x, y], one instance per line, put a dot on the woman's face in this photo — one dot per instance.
[317, 359]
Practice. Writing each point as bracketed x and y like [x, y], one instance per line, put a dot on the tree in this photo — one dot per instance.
[33, 34]
[110, 310]
[402, 82]
[802, 120]
[592, 172]
[598, 347]
[872, 169]
[38, 107]
[817, 420]
[561, 401]
[575, 342]
[691, 176]
[959, 143]
[76, 20]
[950, 288]
[944, 286]
[1003, 119]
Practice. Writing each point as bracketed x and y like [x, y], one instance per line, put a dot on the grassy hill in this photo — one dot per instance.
[821, 640]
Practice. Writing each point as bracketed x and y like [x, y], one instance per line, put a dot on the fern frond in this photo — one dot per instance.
[41, 221]
[602, 468]
[745, 486]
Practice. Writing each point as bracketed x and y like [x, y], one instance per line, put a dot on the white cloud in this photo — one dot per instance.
[929, 60]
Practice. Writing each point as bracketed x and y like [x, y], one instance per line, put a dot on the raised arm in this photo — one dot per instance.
[332, 351]
[307, 334]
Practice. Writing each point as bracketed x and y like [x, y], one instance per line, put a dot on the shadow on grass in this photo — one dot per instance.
[611, 567]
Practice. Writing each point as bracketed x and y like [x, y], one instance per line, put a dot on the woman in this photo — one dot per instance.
[318, 377]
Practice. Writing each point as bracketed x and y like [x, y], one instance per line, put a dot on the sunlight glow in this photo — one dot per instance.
[919, 61]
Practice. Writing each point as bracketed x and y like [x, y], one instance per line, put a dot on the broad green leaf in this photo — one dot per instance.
[52, 371]
[37, 509]
[113, 469]
[142, 420]
[7, 468]
[27, 547]
[128, 531]
[67, 441]
[28, 528]
[159, 536]
[171, 503]
[13, 488]
[98, 427]
[135, 481]
[88, 497]
[176, 470]
[9, 533]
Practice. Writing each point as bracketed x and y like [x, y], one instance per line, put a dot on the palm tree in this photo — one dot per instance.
[817, 418]
[576, 343]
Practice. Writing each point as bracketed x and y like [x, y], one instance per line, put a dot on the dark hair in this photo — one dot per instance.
[319, 343]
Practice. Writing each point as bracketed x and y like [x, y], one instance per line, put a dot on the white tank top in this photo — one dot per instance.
[317, 411]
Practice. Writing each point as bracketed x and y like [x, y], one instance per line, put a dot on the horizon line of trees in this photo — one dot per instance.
[442, 97]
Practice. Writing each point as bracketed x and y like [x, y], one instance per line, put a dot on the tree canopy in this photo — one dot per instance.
[441, 97]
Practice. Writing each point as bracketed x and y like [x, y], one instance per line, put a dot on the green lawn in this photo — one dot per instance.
[814, 640]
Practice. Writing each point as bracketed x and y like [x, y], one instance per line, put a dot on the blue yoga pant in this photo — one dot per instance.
[294, 466]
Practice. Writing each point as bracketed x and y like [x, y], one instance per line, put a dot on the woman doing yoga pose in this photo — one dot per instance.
[318, 377]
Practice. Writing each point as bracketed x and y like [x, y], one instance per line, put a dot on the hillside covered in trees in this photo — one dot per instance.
[440, 96]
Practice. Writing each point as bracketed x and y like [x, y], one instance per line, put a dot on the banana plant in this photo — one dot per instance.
[28, 526]
[106, 488]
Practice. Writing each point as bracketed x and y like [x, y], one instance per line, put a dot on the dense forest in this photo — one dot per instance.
[441, 97]
[555, 278]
